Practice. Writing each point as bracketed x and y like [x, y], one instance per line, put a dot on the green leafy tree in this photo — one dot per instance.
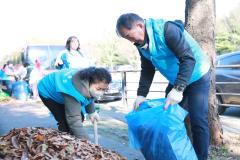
[112, 51]
[227, 42]
[228, 32]
[110, 54]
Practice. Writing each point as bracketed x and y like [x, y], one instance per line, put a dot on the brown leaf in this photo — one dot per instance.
[68, 137]
[40, 137]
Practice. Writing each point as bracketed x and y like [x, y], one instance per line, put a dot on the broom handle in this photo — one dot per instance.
[95, 132]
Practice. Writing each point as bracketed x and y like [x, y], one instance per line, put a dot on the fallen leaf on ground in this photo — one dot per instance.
[43, 143]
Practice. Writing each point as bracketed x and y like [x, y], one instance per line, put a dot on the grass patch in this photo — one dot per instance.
[4, 97]
[218, 153]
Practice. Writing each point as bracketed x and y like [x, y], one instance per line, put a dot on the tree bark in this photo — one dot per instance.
[200, 23]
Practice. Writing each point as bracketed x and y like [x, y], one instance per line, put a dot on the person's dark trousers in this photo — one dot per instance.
[195, 100]
[58, 111]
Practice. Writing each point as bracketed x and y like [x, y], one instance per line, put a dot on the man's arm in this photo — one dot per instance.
[73, 116]
[177, 43]
[146, 76]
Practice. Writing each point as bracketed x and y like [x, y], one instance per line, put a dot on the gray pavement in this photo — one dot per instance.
[230, 120]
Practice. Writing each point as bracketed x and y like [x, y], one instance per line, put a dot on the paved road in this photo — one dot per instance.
[231, 120]
[20, 114]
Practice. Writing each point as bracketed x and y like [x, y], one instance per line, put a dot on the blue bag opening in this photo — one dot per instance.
[160, 134]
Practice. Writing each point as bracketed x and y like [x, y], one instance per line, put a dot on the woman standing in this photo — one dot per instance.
[72, 57]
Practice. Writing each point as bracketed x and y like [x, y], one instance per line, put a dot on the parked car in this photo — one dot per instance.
[114, 91]
[228, 74]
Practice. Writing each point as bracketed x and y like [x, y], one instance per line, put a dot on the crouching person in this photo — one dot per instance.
[66, 92]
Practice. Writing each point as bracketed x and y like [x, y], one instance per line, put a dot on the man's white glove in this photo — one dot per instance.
[138, 101]
[94, 116]
[173, 97]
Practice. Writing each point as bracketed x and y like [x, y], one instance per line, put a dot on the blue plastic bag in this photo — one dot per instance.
[20, 90]
[160, 134]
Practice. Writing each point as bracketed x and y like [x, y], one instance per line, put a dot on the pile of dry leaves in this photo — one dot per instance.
[42, 143]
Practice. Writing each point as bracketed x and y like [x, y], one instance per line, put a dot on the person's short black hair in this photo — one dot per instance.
[67, 46]
[95, 75]
[126, 21]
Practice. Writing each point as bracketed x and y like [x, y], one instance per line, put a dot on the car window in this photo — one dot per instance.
[38, 52]
[230, 60]
[46, 54]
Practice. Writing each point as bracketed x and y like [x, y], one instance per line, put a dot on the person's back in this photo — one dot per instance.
[9, 76]
[21, 71]
[9, 71]
[2, 73]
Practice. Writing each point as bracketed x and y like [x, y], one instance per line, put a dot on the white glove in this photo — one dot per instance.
[173, 97]
[58, 62]
[94, 116]
[138, 101]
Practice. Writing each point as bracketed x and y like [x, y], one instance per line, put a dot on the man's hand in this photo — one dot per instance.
[138, 101]
[94, 116]
[173, 97]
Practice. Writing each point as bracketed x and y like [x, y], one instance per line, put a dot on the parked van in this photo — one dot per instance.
[46, 54]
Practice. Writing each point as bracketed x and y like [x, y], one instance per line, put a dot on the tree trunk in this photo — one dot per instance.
[200, 23]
